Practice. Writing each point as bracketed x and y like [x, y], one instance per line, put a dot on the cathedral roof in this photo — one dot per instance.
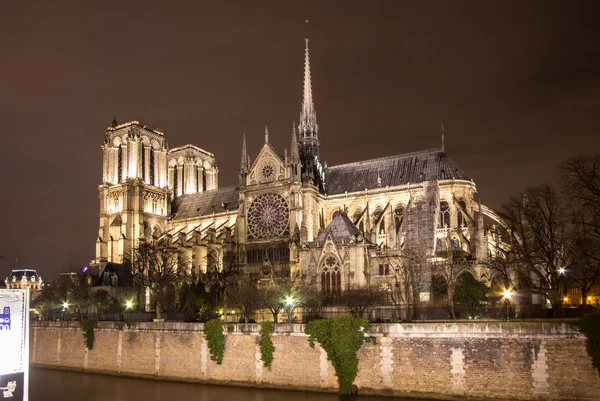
[427, 165]
[205, 203]
[340, 227]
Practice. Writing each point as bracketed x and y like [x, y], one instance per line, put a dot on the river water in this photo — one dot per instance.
[54, 385]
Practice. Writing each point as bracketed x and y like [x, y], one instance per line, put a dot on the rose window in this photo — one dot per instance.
[267, 171]
[268, 217]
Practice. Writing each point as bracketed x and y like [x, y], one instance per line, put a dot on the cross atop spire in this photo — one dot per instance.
[308, 117]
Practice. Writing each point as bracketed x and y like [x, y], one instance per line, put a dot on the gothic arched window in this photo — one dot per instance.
[120, 161]
[331, 276]
[399, 216]
[151, 166]
[462, 222]
[444, 215]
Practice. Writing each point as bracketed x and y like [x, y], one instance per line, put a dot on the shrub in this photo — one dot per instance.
[88, 326]
[266, 345]
[341, 337]
[213, 333]
[590, 326]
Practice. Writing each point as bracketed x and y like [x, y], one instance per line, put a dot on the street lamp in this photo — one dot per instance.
[65, 306]
[128, 306]
[289, 303]
[507, 295]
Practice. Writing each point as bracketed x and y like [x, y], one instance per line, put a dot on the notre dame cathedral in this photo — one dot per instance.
[291, 214]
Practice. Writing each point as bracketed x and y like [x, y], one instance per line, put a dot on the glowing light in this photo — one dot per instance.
[507, 294]
[129, 304]
[589, 299]
[289, 301]
[561, 270]
[65, 305]
[566, 299]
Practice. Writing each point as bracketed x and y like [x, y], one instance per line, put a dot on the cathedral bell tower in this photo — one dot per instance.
[134, 195]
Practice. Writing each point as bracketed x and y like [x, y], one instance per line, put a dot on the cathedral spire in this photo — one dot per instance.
[294, 155]
[266, 134]
[244, 162]
[308, 117]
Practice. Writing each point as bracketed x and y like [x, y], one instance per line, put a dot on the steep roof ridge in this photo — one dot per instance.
[398, 156]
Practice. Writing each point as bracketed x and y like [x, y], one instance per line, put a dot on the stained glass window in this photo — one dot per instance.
[268, 217]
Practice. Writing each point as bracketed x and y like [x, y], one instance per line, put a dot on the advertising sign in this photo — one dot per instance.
[14, 341]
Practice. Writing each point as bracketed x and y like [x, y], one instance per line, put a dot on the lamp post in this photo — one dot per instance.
[128, 306]
[507, 295]
[65, 306]
[289, 306]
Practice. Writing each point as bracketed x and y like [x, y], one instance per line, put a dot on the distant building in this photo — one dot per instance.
[24, 278]
[335, 227]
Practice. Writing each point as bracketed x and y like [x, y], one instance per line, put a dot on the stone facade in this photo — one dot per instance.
[517, 361]
[280, 220]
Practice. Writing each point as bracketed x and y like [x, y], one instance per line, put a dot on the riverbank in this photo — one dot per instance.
[481, 360]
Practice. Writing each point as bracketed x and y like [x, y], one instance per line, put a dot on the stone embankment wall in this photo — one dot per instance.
[511, 361]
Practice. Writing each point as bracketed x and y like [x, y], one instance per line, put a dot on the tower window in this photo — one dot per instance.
[152, 166]
[144, 164]
[120, 166]
[175, 173]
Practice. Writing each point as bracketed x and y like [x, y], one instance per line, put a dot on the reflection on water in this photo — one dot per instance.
[53, 385]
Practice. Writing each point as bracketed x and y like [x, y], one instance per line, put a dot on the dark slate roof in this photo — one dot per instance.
[340, 227]
[19, 273]
[427, 165]
[205, 203]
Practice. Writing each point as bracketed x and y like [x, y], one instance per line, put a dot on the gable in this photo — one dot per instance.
[267, 167]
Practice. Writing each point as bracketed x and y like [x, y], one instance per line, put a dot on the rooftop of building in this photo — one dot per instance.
[220, 200]
[415, 167]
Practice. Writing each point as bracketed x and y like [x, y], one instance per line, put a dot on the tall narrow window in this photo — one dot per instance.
[444, 215]
[120, 167]
[152, 166]
[175, 171]
[203, 180]
[144, 178]
[331, 278]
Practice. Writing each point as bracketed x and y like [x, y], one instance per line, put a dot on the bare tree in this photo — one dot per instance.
[274, 292]
[538, 250]
[581, 179]
[359, 300]
[157, 267]
[243, 294]
[405, 279]
[450, 270]
[222, 269]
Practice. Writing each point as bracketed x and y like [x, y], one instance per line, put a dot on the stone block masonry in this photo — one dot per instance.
[510, 361]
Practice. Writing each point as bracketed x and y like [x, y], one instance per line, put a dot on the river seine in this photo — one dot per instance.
[54, 385]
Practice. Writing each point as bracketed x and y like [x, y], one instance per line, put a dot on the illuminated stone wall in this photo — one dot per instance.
[528, 361]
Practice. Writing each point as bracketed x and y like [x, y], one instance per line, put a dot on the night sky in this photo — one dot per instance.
[516, 84]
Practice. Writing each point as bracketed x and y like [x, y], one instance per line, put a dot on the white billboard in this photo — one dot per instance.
[14, 338]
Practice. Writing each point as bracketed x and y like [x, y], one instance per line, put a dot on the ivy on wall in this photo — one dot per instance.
[88, 326]
[590, 326]
[213, 333]
[341, 337]
[266, 344]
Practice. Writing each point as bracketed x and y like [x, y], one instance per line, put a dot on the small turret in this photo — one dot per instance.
[245, 163]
